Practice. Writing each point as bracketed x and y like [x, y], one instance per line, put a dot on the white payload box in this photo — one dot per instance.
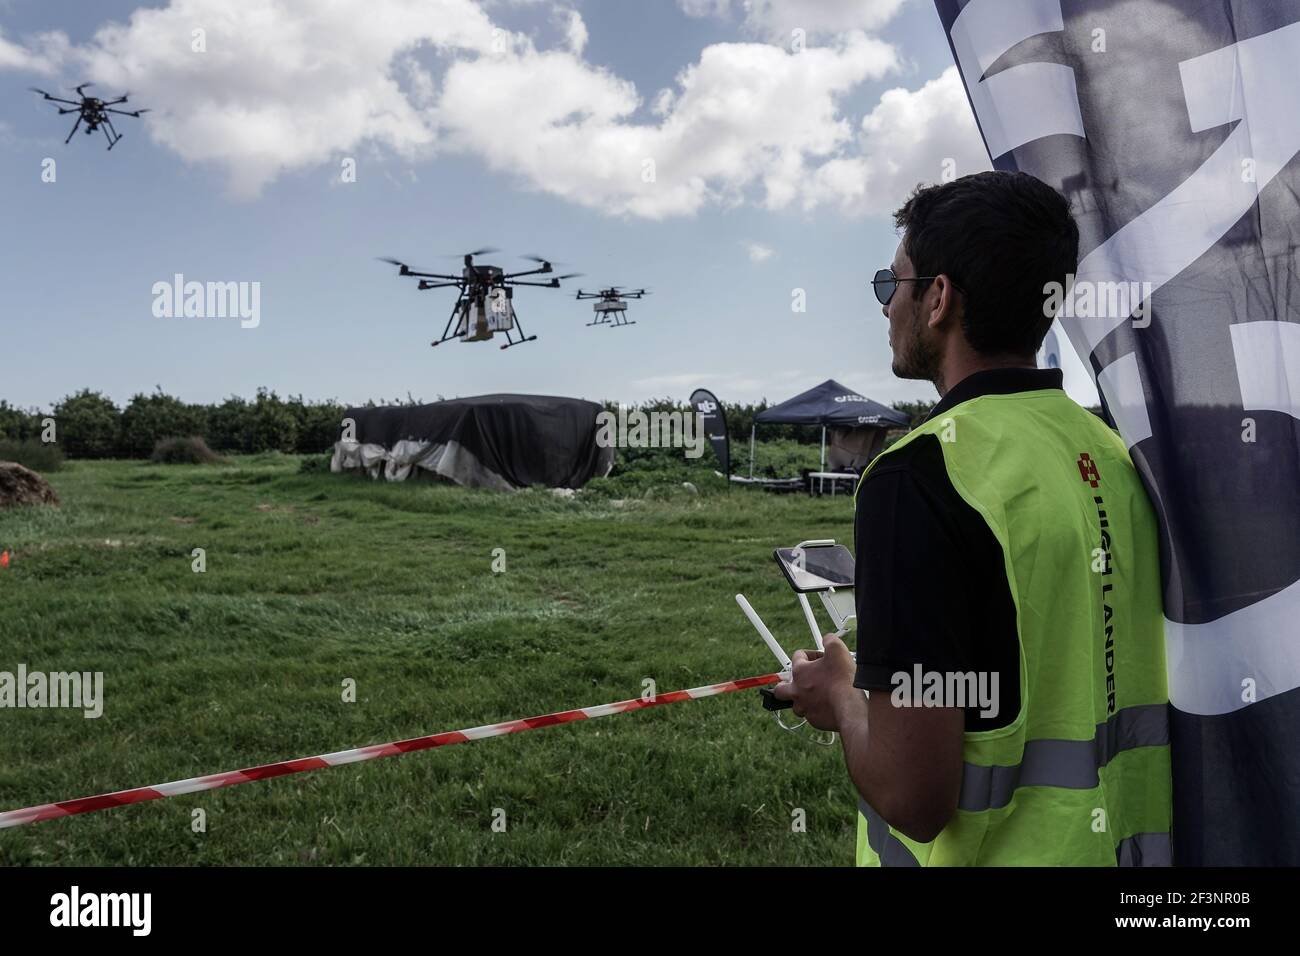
[480, 319]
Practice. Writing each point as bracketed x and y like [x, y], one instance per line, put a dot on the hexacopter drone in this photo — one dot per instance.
[93, 112]
[611, 309]
[485, 305]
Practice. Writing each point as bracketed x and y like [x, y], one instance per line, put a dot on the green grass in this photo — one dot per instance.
[313, 578]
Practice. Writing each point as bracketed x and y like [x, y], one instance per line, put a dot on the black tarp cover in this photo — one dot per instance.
[526, 440]
[830, 403]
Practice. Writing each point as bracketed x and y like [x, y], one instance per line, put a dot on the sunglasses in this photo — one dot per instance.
[886, 284]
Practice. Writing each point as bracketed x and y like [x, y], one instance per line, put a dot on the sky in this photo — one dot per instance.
[732, 156]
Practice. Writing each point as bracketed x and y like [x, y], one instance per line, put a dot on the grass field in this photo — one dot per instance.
[315, 578]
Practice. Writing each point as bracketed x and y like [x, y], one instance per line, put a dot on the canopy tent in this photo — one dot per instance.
[488, 441]
[858, 424]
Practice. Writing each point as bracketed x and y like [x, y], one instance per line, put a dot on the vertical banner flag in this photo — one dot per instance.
[1173, 129]
[714, 422]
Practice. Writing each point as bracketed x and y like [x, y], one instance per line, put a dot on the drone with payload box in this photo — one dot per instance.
[611, 305]
[485, 303]
[92, 111]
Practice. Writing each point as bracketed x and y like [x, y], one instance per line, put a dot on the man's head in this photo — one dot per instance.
[981, 249]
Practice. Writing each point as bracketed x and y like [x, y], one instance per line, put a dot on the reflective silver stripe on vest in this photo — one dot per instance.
[891, 850]
[1141, 849]
[1146, 725]
[1145, 849]
[1070, 764]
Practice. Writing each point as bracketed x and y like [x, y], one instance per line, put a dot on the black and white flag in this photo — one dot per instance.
[1174, 128]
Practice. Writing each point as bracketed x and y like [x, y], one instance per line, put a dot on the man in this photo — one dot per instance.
[1006, 545]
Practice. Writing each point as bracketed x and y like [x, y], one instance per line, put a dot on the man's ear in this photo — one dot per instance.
[943, 303]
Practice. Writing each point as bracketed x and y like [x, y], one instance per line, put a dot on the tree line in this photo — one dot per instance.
[88, 424]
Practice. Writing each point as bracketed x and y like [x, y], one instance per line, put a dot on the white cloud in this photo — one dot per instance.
[705, 8]
[42, 55]
[777, 19]
[575, 31]
[746, 116]
[911, 137]
[281, 86]
[285, 87]
[758, 252]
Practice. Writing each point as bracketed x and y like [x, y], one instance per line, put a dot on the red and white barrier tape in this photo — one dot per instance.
[106, 801]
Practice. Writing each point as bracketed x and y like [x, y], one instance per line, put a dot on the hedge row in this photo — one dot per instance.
[90, 425]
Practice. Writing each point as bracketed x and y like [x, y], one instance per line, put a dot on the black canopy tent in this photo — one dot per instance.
[856, 420]
[488, 441]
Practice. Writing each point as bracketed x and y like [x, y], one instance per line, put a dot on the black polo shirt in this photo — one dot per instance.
[931, 582]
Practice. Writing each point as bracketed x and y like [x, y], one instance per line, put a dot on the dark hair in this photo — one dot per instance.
[1001, 237]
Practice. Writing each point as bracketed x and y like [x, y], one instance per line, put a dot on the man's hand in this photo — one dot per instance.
[821, 687]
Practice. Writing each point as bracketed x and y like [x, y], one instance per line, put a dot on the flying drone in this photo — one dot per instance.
[485, 303]
[93, 112]
[611, 307]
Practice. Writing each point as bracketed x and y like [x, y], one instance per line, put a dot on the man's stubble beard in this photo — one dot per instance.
[917, 359]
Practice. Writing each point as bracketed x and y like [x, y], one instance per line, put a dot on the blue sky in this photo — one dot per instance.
[531, 145]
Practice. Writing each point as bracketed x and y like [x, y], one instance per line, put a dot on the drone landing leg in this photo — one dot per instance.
[74, 131]
[451, 318]
[531, 338]
[522, 338]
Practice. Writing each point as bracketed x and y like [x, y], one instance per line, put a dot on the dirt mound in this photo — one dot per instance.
[22, 486]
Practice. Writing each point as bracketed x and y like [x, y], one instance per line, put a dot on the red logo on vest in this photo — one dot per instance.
[1088, 469]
